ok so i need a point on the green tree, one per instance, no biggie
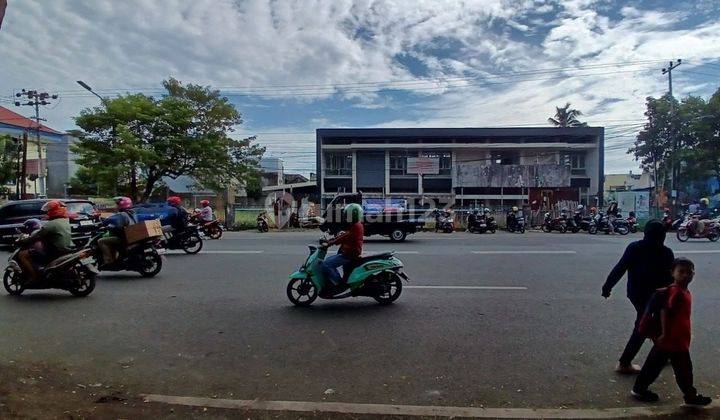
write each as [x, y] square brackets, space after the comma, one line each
[653, 145]
[144, 139]
[566, 117]
[9, 154]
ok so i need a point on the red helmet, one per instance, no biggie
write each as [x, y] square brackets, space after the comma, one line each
[174, 201]
[123, 203]
[205, 203]
[55, 209]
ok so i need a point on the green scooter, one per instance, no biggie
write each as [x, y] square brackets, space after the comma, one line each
[377, 276]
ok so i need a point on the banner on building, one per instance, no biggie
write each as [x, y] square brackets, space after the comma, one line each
[423, 165]
[480, 174]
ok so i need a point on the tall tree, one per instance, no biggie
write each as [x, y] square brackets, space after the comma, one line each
[566, 117]
[9, 154]
[654, 145]
[186, 132]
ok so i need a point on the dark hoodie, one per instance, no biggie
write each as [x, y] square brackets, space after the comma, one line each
[648, 263]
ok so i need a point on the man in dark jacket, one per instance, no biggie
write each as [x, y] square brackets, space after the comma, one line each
[648, 263]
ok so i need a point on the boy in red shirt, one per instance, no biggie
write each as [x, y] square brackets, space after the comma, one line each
[674, 341]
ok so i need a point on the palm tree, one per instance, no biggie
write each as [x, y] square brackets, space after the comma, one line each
[566, 117]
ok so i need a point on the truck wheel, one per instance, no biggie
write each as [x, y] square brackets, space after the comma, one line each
[398, 235]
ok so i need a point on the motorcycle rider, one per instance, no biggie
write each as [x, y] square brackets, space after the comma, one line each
[179, 217]
[351, 243]
[114, 243]
[206, 212]
[612, 214]
[472, 219]
[703, 215]
[513, 217]
[55, 237]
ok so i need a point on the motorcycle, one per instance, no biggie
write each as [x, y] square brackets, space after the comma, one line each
[632, 223]
[377, 276]
[188, 240]
[141, 257]
[482, 225]
[211, 229]
[74, 272]
[583, 223]
[515, 224]
[601, 223]
[570, 223]
[262, 224]
[444, 221]
[690, 227]
[550, 224]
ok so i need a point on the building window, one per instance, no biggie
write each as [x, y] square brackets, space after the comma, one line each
[398, 163]
[577, 163]
[445, 160]
[338, 164]
[508, 157]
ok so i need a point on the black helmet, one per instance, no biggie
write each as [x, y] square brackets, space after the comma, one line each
[31, 225]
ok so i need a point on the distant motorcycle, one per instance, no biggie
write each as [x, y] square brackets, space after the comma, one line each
[515, 224]
[262, 224]
[444, 221]
[691, 229]
[553, 224]
[188, 240]
[483, 225]
[601, 224]
[632, 222]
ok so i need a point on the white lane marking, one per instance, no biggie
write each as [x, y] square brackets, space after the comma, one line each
[407, 252]
[416, 410]
[698, 251]
[231, 252]
[524, 252]
[468, 287]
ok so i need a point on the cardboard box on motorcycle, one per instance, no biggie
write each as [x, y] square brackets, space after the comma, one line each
[143, 230]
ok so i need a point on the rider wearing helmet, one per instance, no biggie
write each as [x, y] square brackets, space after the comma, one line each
[703, 215]
[112, 244]
[54, 235]
[351, 243]
[179, 217]
[206, 212]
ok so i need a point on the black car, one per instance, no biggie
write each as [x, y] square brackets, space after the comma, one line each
[83, 218]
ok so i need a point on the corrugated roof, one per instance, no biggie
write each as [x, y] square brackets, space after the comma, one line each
[13, 118]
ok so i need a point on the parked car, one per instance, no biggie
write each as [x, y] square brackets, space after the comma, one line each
[83, 218]
[152, 211]
[388, 217]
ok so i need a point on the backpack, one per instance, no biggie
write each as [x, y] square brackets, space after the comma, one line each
[650, 325]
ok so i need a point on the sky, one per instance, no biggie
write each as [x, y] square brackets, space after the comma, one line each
[291, 67]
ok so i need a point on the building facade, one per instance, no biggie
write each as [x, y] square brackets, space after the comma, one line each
[38, 138]
[494, 167]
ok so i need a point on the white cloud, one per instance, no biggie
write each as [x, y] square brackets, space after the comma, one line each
[235, 44]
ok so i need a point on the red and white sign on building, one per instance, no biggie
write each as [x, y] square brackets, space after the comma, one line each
[423, 165]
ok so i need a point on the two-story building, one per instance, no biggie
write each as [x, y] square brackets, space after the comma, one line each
[494, 167]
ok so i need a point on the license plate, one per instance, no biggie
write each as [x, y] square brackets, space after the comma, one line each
[87, 261]
[86, 223]
[161, 251]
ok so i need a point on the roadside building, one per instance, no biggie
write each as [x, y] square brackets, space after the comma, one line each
[494, 167]
[36, 164]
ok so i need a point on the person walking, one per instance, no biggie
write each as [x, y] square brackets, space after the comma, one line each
[648, 263]
[673, 342]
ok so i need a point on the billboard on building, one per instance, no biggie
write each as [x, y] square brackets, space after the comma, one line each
[423, 165]
[480, 174]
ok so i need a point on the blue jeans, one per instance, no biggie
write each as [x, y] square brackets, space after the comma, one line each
[330, 266]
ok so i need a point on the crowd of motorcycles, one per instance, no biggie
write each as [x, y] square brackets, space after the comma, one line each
[76, 272]
[687, 226]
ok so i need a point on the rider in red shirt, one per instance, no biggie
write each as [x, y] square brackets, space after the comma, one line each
[351, 242]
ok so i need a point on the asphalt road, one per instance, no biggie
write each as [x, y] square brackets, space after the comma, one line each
[219, 324]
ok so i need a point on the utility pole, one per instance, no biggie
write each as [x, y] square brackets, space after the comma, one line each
[35, 99]
[674, 168]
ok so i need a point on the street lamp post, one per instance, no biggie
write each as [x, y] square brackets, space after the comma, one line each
[89, 89]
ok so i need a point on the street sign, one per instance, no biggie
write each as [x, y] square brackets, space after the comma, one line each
[423, 165]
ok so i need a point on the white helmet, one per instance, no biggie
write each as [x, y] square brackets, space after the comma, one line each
[581, 207]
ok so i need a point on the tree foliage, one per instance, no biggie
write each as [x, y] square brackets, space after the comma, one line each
[566, 117]
[9, 154]
[685, 136]
[139, 140]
